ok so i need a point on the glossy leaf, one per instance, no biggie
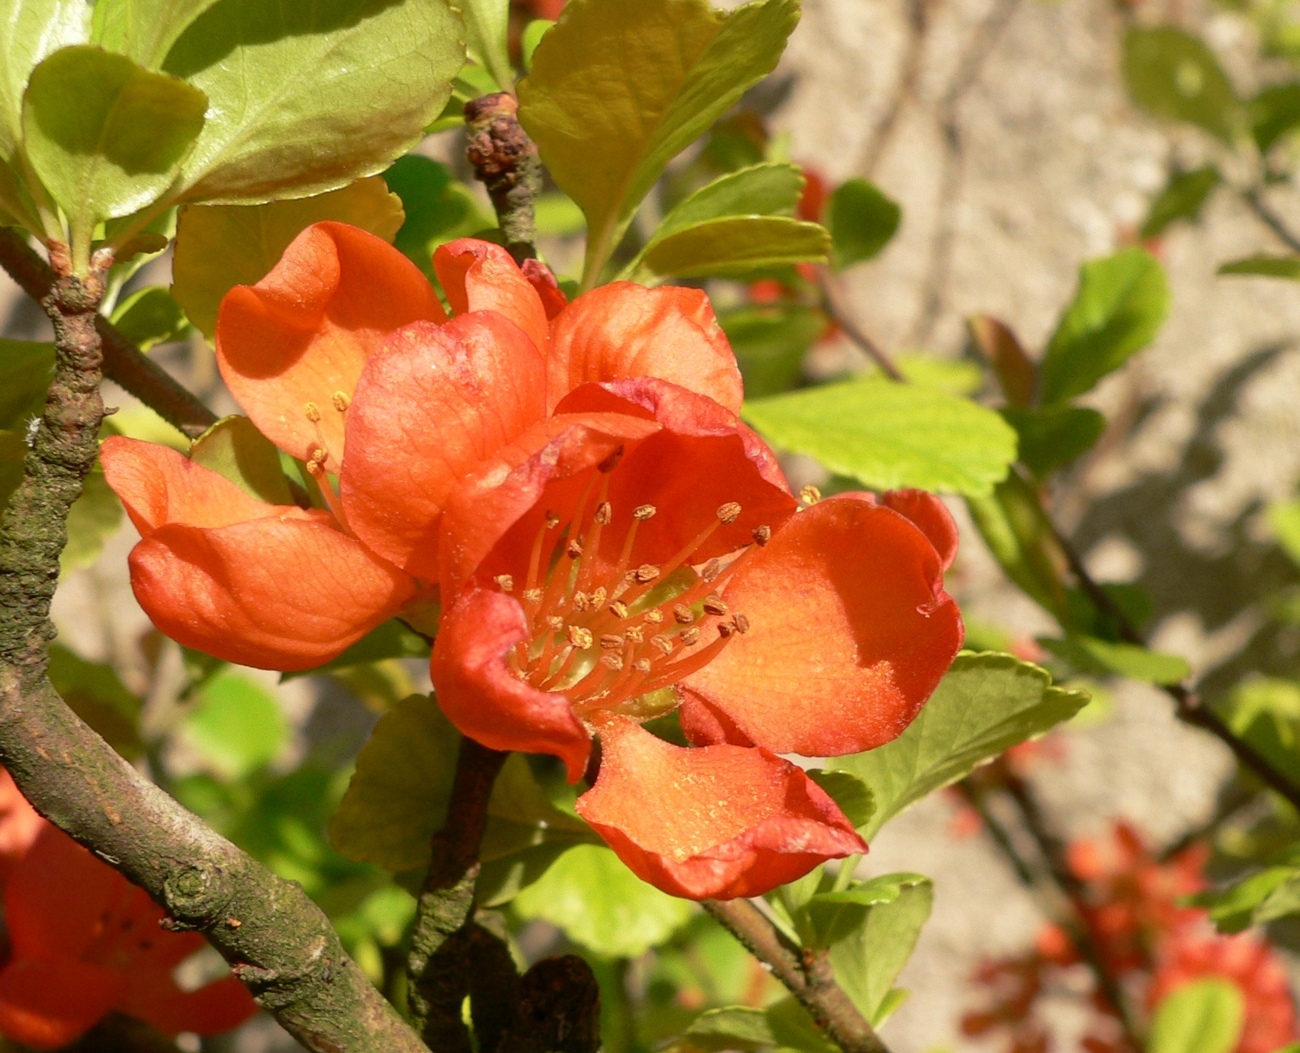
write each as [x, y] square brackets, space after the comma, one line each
[26, 368]
[438, 209]
[1012, 524]
[1119, 307]
[891, 435]
[617, 90]
[221, 246]
[144, 30]
[106, 136]
[1088, 654]
[486, 26]
[1182, 198]
[770, 344]
[236, 725]
[768, 189]
[1204, 1016]
[33, 29]
[1052, 437]
[1174, 75]
[149, 317]
[94, 518]
[310, 97]
[597, 902]
[862, 221]
[986, 704]
[235, 449]
[1265, 267]
[735, 246]
[1274, 113]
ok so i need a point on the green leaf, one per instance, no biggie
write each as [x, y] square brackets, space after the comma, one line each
[1182, 198]
[531, 37]
[236, 725]
[438, 209]
[617, 90]
[1174, 75]
[1087, 654]
[309, 97]
[997, 342]
[770, 344]
[862, 221]
[1012, 524]
[106, 136]
[1262, 897]
[92, 520]
[985, 705]
[735, 246]
[26, 368]
[733, 1027]
[236, 450]
[13, 451]
[221, 246]
[1051, 437]
[149, 317]
[1121, 303]
[1265, 267]
[768, 189]
[1283, 520]
[33, 30]
[891, 435]
[1205, 1016]
[1274, 113]
[486, 25]
[95, 693]
[848, 791]
[600, 904]
[1266, 713]
[144, 30]
[392, 639]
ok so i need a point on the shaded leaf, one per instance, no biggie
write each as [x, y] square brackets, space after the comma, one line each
[891, 435]
[1174, 75]
[94, 518]
[617, 90]
[862, 221]
[392, 639]
[1182, 198]
[1016, 372]
[848, 791]
[13, 451]
[236, 450]
[33, 30]
[309, 97]
[144, 30]
[1265, 711]
[1055, 436]
[1088, 654]
[1265, 267]
[1012, 524]
[236, 725]
[1120, 305]
[986, 704]
[97, 695]
[1274, 112]
[26, 369]
[733, 1027]
[150, 316]
[438, 209]
[770, 344]
[734, 246]
[1204, 1016]
[221, 246]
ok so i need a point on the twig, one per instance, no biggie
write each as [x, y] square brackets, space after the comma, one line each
[505, 160]
[833, 307]
[1271, 219]
[124, 363]
[807, 975]
[276, 940]
[437, 964]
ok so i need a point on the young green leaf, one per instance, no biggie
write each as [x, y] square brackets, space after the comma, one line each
[862, 220]
[1012, 524]
[33, 29]
[1120, 305]
[1265, 711]
[221, 246]
[236, 450]
[1260, 898]
[309, 97]
[1052, 437]
[1088, 654]
[730, 1028]
[106, 136]
[486, 26]
[1174, 75]
[1265, 267]
[1274, 113]
[734, 246]
[1182, 198]
[600, 904]
[891, 435]
[143, 30]
[1205, 1016]
[986, 704]
[617, 90]
[768, 189]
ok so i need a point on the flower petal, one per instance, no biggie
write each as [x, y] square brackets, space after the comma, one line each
[272, 593]
[157, 485]
[209, 1010]
[304, 331]
[45, 1003]
[625, 330]
[57, 896]
[715, 822]
[484, 699]
[431, 405]
[930, 515]
[479, 276]
[543, 280]
[850, 632]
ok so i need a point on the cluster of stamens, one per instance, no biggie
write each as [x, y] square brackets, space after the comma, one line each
[609, 634]
[321, 461]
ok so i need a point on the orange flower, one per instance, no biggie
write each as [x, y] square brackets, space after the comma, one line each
[343, 357]
[645, 554]
[85, 942]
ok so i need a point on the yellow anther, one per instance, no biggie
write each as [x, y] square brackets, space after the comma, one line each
[729, 512]
[555, 621]
[612, 661]
[618, 609]
[506, 581]
[762, 535]
[580, 637]
[313, 412]
[581, 602]
[604, 512]
[635, 633]
[714, 605]
[643, 512]
[574, 548]
[340, 401]
[683, 615]
[691, 636]
[663, 642]
[611, 642]
[741, 623]
[598, 597]
[641, 665]
[533, 595]
[654, 616]
[810, 495]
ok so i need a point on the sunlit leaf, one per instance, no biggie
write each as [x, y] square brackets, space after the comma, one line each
[1284, 520]
[986, 704]
[1174, 75]
[1182, 198]
[144, 30]
[33, 29]
[486, 26]
[1088, 654]
[221, 246]
[1204, 1016]
[1258, 899]
[149, 317]
[1265, 267]
[236, 725]
[736, 245]
[236, 450]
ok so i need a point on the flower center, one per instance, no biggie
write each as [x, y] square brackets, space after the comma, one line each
[613, 636]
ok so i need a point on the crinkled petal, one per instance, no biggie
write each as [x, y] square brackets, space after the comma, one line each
[304, 332]
[543, 280]
[626, 330]
[272, 593]
[45, 1003]
[481, 695]
[849, 633]
[430, 406]
[715, 822]
[209, 1010]
[932, 518]
[479, 276]
[57, 897]
[157, 485]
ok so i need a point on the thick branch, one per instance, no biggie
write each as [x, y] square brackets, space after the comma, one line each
[276, 940]
[440, 947]
[124, 363]
[505, 160]
[808, 976]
